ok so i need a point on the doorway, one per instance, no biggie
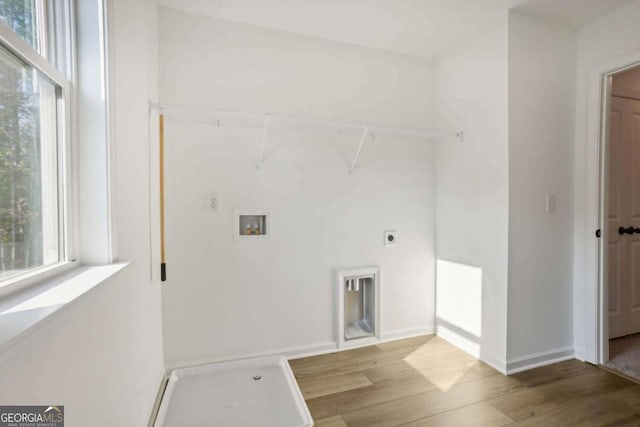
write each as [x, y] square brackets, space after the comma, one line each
[622, 222]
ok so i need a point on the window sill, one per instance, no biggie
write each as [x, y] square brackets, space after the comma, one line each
[24, 310]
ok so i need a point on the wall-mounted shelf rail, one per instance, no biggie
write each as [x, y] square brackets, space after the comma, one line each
[264, 137]
[269, 122]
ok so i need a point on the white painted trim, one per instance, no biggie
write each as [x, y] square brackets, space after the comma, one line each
[24, 51]
[65, 99]
[34, 277]
[318, 350]
[603, 203]
[109, 96]
[510, 366]
[36, 305]
[471, 347]
[307, 350]
[359, 342]
[594, 321]
[164, 381]
[542, 358]
[91, 144]
[496, 363]
[402, 334]
[376, 272]
[458, 340]
[290, 353]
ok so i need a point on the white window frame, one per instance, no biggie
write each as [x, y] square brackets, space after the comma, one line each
[67, 201]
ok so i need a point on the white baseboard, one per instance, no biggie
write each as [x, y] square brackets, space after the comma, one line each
[309, 350]
[290, 353]
[156, 404]
[463, 343]
[402, 334]
[495, 362]
[543, 358]
[472, 347]
[513, 365]
[389, 336]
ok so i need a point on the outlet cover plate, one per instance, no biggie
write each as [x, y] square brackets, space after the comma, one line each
[390, 238]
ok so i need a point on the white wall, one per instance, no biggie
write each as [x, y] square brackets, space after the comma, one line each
[226, 297]
[472, 182]
[242, 67]
[90, 357]
[134, 81]
[541, 106]
[603, 45]
[101, 356]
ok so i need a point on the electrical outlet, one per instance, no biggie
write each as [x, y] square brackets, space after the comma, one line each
[390, 238]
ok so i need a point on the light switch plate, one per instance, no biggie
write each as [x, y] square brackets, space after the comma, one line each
[552, 203]
[214, 203]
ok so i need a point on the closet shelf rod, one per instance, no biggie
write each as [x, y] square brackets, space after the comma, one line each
[257, 120]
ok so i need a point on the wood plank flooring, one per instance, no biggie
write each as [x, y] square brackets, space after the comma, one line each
[425, 381]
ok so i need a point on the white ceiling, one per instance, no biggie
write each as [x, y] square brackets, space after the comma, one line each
[414, 27]
[574, 13]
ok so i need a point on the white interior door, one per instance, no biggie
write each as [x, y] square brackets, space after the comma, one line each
[623, 279]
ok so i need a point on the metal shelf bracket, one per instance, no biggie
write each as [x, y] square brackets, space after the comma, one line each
[264, 137]
[355, 158]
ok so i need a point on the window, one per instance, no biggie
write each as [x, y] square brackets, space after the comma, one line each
[21, 17]
[34, 121]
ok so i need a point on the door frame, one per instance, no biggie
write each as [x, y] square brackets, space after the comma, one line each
[599, 106]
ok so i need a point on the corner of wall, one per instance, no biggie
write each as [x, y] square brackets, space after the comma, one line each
[541, 80]
[472, 182]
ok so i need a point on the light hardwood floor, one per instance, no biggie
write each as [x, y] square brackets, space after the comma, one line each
[425, 381]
